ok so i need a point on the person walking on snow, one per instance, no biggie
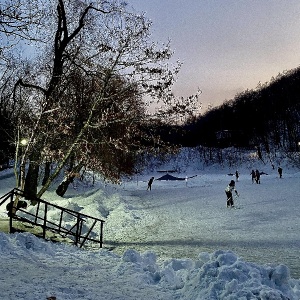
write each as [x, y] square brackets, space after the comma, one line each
[150, 183]
[228, 191]
[280, 172]
[237, 175]
[257, 176]
[253, 176]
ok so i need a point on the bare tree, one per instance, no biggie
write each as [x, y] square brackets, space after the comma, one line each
[20, 24]
[111, 51]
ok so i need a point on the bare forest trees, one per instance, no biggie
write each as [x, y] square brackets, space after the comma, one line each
[265, 119]
[84, 92]
[18, 18]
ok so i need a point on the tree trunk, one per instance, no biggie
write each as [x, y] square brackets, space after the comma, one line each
[63, 187]
[47, 172]
[31, 181]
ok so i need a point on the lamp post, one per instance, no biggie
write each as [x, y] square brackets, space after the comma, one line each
[21, 180]
[23, 143]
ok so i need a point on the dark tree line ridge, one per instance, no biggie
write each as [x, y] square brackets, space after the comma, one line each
[267, 117]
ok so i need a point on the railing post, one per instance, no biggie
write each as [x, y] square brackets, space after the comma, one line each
[10, 213]
[77, 229]
[45, 221]
[37, 212]
[60, 219]
[88, 233]
[101, 234]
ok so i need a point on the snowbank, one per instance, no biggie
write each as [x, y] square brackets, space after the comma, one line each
[35, 269]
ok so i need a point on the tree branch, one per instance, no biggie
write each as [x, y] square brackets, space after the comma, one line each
[29, 85]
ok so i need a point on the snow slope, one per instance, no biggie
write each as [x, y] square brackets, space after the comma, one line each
[178, 241]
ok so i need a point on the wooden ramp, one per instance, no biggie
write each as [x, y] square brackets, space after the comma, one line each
[39, 218]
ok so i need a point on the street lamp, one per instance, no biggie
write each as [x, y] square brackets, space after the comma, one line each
[21, 180]
[23, 143]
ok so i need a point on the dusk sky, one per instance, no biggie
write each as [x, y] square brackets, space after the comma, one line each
[226, 46]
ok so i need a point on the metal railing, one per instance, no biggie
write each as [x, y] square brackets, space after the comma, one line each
[40, 218]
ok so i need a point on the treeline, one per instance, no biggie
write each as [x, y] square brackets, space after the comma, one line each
[267, 117]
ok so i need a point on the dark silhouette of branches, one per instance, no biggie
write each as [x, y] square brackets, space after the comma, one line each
[267, 116]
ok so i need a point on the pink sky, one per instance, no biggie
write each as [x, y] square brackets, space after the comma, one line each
[226, 46]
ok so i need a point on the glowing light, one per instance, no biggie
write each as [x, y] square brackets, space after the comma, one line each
[23, 142]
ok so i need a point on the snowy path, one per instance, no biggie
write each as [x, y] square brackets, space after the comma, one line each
[178, 221]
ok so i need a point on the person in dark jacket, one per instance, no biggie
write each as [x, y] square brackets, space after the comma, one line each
[228, 191]
[150, 183]
[280, 172]
[257, 176]
[253, 176]
[237, 175]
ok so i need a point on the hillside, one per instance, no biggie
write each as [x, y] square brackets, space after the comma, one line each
[267, 116]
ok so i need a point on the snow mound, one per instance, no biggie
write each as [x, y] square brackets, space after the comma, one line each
[222, 275]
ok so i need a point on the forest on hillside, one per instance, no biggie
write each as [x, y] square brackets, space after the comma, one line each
[267, 117]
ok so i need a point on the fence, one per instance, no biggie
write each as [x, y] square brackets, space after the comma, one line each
[40, 218]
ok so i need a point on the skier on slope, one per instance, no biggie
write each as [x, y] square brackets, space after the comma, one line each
[229, 190]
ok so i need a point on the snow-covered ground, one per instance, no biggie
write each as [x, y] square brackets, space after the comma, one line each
[177, 241]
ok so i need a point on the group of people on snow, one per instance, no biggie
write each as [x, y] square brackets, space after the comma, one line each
[230, 189]
[255, 175]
